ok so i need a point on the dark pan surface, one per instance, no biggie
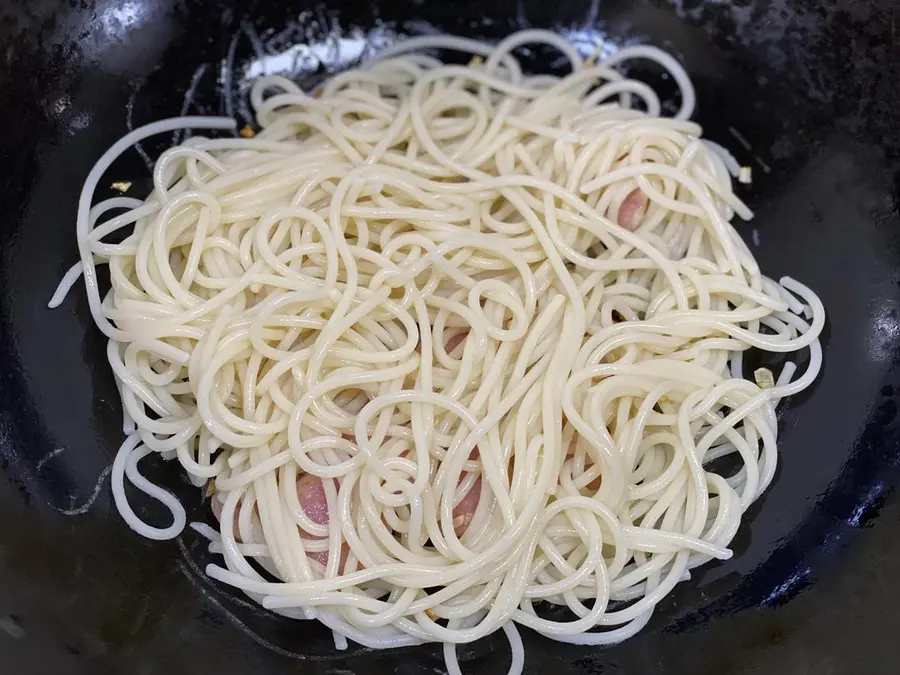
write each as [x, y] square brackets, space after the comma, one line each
[805, 92]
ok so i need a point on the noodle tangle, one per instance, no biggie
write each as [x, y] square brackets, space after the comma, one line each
[448, 342]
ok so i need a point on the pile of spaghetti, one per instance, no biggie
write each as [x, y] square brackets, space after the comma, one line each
[448, 342]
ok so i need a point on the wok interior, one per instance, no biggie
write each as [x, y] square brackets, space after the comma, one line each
[780, 88]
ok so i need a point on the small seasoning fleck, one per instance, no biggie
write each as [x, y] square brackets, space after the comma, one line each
[247, 132]
[764, 378]
[595, 55]
[211, 488]
[122, 186]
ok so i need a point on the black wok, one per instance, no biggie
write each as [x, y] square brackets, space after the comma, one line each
[804, 91]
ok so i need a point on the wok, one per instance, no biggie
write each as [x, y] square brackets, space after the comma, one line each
[803, 91]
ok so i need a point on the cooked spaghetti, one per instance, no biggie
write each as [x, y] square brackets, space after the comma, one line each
[445, 342]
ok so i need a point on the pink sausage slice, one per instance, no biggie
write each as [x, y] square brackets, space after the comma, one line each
[455, 341]
[464, 511]
[451, 343]
[311, 494]
[632, 210]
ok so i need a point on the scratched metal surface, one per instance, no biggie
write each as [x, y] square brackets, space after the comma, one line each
[805, 91]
